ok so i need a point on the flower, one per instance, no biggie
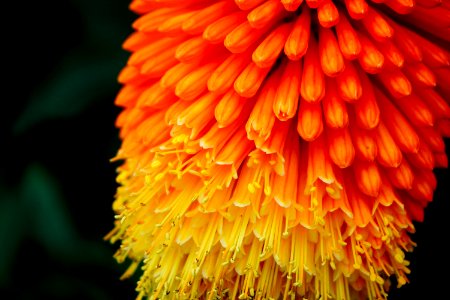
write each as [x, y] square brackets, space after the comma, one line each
[279, 149]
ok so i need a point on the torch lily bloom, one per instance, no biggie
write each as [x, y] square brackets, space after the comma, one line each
[279, 149]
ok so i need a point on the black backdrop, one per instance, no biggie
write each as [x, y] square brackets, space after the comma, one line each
[56, 136]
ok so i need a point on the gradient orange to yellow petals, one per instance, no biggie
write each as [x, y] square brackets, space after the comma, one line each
[279, 149]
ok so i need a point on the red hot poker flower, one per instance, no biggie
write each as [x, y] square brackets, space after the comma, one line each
[279, 149]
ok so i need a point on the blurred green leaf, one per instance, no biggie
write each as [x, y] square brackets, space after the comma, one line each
[105, 30]
[80, 83]
[68, 287]
[50, 222]
[11, 220]
[89, 71]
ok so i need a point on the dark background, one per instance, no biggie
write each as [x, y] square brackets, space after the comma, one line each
[56, 138]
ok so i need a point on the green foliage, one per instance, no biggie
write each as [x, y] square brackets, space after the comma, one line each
[88, 73]
[36, 210]
[42, 241]
[71, 90]
[11, 231]
[46, 215]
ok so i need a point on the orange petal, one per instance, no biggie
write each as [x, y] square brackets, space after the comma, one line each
[319, 164]
[285, 187]
[331, 58]
[313, 81]
[193, 84]
[440, 160]
[235, 149]
[286, 100]
[156, 96]
[262, 118]
[367, 177]
[359, 203]
[276, 141]
[420, 74]
[229, 108]
[366, 109]
[389, 154]
[247, 4]
[417, 112]
[334, 109]
[340, 146]
[268, 51]
[310, 124]
[327, 14]
[401, 6]
[444, 127]
[407, 44]
[434, 20]
[377, 26]
[365, 144]
[199, 114]
[414, 209]
[172, 76]
[242, 37]
[357, 8]
[348, 84]
[432, 137]
[423, 187]
[224, 76]
[218, 30]
[348, 39]
[157, 65]
[437, 105]
[249, 81]
[314, 3]
[152, 20]
[291, 5]
[128, 95]
[154, 49]
[297, 42]
[443, 81]
[370, 58]
[400, 129]
[429, 3]
[198, 22]
[264, 14]
[433, 55]
[423, 159]
[401, 177]
[396, 82]
[131, 75]
[391, 53]
[192, 49]
[173, 25]
[138, 40]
